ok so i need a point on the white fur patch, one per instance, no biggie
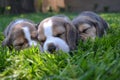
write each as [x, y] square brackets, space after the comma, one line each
[48, 28]
[59, 43]
[28, 36]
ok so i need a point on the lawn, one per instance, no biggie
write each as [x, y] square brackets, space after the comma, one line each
[98, 60]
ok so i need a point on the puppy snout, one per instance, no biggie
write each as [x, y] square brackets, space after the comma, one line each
[51, 48]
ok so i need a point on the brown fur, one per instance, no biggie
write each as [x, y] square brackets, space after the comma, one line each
[14, 35]
[62, 28]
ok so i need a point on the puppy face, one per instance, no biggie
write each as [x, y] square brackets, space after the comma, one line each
[90, 25]
[87, 31]
[56, 33]
[20, 34]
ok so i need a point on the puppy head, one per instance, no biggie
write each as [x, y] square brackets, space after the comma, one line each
[100, 24]
[20, 34]
[89, 26]
[56, 33]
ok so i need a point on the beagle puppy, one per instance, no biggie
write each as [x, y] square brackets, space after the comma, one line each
[90, 25]
[20, 34]
[57, 33]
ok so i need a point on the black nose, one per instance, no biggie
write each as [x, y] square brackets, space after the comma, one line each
[51, 48]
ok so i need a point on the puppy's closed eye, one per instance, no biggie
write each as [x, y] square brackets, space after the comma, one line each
[85, 30]
[19, 44]
[59, 35]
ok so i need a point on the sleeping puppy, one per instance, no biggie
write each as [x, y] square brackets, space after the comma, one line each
[20, 34]
[57, 33]
[90, 25]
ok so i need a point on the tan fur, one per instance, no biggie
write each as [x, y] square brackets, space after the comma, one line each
[89, 33]
[41, 35]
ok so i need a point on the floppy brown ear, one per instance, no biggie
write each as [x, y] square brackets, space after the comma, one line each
[71, 35]
[99, 29]
[105, 24]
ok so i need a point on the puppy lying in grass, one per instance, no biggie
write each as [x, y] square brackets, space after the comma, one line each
[20, 34]
[57, 33]
[90, 25]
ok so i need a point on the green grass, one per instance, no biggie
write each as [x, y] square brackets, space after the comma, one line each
[98, 60]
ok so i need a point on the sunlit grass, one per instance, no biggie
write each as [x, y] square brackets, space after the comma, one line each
[98, 60]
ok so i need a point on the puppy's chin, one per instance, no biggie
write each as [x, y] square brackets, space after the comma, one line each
[84, 38]
[54, 44]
